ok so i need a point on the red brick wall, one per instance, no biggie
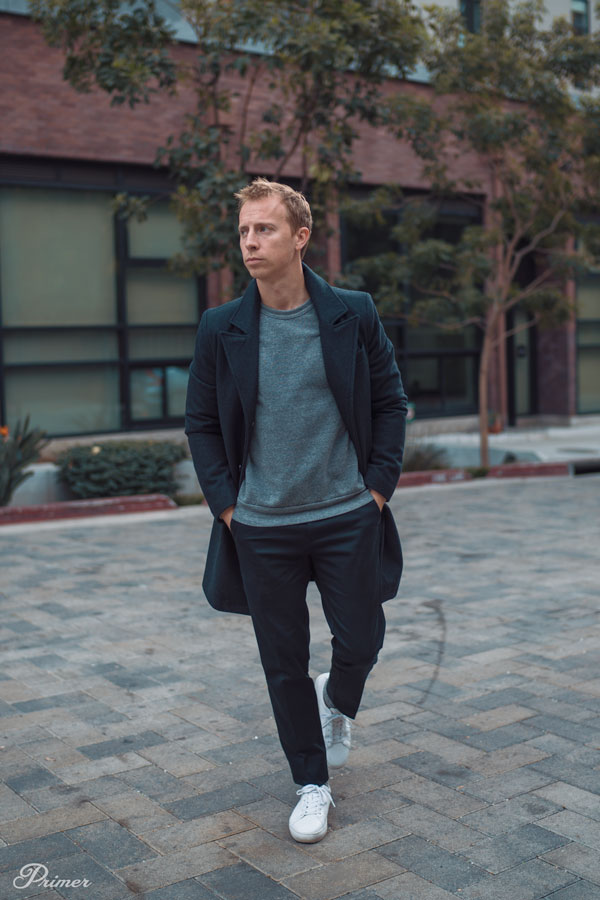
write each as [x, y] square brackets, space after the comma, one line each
[556, 370]
[42, 115]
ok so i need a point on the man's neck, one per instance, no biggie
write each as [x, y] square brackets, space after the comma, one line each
[288, 292]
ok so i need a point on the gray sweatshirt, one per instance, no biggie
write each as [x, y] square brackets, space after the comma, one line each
[301, 464]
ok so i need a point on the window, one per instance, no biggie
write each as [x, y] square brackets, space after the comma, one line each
[471, 12]
[59, 314]
[96, 333]
[580, 16]
[161, 311]
[439, 367]
[588, 344]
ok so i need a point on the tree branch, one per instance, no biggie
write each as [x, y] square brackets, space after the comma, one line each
[448, 326]
[437, 293]
[526, 292]
[531, 288]
[518, 329]
[245, 110]
[303, 129]
[545, 232]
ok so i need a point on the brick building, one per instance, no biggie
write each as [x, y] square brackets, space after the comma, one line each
[96, 335]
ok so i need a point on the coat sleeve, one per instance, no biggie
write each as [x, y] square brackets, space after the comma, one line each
[203, 428]
[388, 409]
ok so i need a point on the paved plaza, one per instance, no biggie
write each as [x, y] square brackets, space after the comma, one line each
[138, 750]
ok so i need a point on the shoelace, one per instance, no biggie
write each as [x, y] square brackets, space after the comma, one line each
[313, 797]
[340, 728]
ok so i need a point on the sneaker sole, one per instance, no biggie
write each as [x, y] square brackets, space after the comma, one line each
[308, 839]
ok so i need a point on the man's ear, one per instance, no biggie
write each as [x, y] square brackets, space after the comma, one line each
[302, 237]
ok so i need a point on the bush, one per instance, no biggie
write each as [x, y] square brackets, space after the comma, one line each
[478, 471]
[16, 453]
[420, 456]
[188, 499]
[121, 468]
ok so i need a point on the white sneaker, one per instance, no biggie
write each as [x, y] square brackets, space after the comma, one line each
[336, 727]
[308, 821]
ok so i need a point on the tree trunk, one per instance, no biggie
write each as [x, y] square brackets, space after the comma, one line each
[225, 276]
[486, 352]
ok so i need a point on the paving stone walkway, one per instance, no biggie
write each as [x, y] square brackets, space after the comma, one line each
[138, 749]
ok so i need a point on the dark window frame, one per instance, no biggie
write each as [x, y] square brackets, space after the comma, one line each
[403, 353]
[594, 273]
[579, 20]
[125, 262]
[471, 12]
[511, 374]
[19, 171]
[587, 347]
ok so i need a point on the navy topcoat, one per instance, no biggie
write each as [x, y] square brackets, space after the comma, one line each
[361, 370]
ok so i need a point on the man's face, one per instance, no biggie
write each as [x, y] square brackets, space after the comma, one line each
[269, 247]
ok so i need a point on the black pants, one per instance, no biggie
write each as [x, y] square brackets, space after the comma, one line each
[343, 554]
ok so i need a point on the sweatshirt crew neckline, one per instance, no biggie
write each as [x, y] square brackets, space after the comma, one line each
[286, 313]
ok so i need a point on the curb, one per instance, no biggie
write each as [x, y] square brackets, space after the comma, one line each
[510, 470]
[71, 509]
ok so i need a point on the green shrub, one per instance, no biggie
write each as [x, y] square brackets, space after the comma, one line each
[17, 451]
[188, 499]
[420, 456]
[478, 471]
[121, 468]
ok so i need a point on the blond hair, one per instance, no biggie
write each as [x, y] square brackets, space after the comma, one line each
[296, 205]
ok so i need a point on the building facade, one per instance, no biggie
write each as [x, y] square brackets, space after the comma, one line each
[96, 332]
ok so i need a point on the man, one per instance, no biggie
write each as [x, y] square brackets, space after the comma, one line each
[296, 419]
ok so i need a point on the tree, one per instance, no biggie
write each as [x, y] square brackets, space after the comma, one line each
[280, 89]
[515, 102]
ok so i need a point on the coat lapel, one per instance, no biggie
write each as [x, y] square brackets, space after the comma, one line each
[338, 327]
[240, 343]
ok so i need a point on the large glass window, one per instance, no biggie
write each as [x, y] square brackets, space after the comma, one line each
[58, 265]
[155, 296]
[146, 393]
[471, 12]
[439, 367]
[162, 315]
[59, 311]
[580, 16]
[64, 400]
[441, 384]
[588, 377]
[75, 345]
[588, 343]
[97, 333]
[158, 236]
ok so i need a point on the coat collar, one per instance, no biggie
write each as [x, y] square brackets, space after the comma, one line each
[328, 305]
[338, 326]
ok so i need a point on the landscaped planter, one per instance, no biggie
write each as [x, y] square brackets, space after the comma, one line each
[146, 502]
[510, 470]
[44, 486]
